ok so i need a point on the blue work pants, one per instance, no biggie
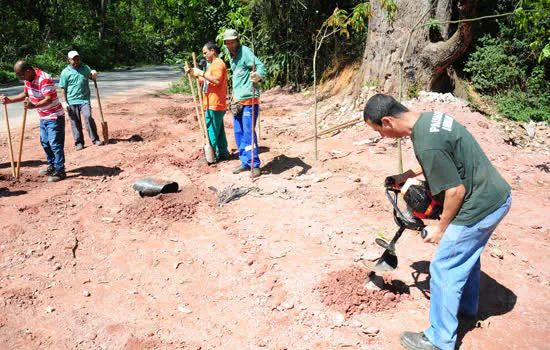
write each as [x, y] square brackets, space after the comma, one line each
[242, 126]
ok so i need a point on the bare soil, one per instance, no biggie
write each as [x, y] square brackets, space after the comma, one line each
[86, 263]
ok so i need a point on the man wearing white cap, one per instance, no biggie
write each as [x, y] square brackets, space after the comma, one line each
[243, 103]
[75, 91]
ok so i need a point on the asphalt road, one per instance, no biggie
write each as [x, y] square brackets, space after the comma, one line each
[109, 84]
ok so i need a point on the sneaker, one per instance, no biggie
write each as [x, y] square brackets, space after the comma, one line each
[256, 172]
[416, 341]
[79, 146]
[240, 169]
[98, 143]
[47, 171]
[57, 175]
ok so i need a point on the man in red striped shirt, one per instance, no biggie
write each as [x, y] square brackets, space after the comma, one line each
[40, 89]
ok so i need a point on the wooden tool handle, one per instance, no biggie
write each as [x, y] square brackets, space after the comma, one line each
[99, 102]
[9, 140]
[21, 140]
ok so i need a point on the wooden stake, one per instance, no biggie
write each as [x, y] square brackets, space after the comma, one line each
[22, 138]
[334, 128]
[9, 140]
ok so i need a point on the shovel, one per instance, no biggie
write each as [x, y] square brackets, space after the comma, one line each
[208, 149]
[9, 140]
[104, 127]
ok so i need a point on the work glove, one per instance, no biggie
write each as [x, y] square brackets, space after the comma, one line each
[65, 105]
[394, 181]
[255, 77]
[198, 73]
[93, 74]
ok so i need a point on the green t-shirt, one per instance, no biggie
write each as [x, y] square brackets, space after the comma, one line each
[76, 83]
[450, 156]
[241, 66]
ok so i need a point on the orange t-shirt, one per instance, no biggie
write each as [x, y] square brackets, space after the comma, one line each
[214, 97]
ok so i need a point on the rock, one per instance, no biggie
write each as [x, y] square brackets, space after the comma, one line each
[338, 319]
[356, 324]
[390, 296]
[497, 253]
[287, 305]
[371, 331]
[91, 336]
[86, 293]
[483, 125]
[184, 310]
[50, 309]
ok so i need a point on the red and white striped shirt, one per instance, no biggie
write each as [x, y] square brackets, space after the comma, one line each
[43, 85]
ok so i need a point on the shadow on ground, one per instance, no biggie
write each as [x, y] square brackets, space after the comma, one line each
[96, 170]
[24, 164]
[494, 298]
[5, 192]
[282, 163]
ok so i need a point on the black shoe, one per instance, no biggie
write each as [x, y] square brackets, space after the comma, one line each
[98, 143]
[240, 169]
[48, 171]
[416, 341]
[57, 175]
[224, 158]
[79, 146]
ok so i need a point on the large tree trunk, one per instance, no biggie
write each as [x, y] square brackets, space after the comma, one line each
[429, 54]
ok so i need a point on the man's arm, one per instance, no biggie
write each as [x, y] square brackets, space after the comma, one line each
[453, 201]
[17, 98]
[64, 102]
[46, 101]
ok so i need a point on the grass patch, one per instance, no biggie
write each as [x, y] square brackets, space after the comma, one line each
[179, 87]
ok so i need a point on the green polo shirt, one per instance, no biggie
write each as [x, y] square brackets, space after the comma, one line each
[241, 66]
[76, 83]
[450, 156]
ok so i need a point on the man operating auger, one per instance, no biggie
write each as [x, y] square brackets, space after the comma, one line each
[476, 199]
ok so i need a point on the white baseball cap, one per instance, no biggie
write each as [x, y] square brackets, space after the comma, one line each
[72, 54]
[230, 34]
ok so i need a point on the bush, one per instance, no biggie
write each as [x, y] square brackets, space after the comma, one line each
[7, 76]
[523, 106]
[492, 69]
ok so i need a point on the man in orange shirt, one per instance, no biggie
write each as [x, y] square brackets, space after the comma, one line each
[215, 89]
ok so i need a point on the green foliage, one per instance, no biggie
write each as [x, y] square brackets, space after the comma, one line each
[391, 7]
[414, 90]
[533, 17]
[179, 87]
[523, 106]
[433, 25]
[509, 64]
[492, 68]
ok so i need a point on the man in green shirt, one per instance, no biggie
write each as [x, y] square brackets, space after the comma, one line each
[244, 104]
[476, 199]
[75, 91]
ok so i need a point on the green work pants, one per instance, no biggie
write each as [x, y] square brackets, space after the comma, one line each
[216, 132]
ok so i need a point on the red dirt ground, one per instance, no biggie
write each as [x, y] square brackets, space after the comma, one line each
[88, 264]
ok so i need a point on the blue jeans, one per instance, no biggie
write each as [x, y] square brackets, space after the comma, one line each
[52, 138]
[455, 276]
[243, 135]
